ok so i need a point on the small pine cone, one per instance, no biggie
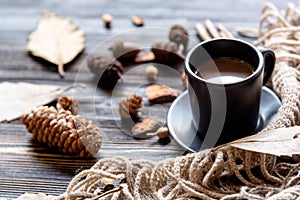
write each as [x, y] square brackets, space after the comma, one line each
[129, 107]
[179, 35]
[109, 70]
[71, 134]
[124, 51]
[66, 103]
[167, 52]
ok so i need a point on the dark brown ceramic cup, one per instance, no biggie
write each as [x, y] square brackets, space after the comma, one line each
[223, 112]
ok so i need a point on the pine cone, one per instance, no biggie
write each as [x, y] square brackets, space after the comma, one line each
[124, 51]
[108, 68]
[167, 52]
[129, 107]
[179, 35]
[66, 103]
[71, 134]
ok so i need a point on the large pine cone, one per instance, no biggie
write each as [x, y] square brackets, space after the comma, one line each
[71, 134]
[109, 69]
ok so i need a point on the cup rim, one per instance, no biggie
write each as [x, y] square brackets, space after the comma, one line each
[254, 74]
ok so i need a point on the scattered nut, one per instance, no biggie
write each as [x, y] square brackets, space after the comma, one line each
[296, 136]
[107, 19]
[162, 132]
[146, 57]
[179, 35]
[124, 51]
[151, 72]
[107, 184]
[161, 93]
[137, 20]
[146, 125]
[168, 52]
[109, 69]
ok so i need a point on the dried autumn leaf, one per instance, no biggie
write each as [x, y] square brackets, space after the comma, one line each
[56, 39]
[39, 196]
[17, 98]
[279, 142]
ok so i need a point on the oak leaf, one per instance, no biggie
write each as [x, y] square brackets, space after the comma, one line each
[56, 39]
[18, 98]
[278, 142]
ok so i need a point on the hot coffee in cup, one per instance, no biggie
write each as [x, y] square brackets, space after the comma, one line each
[225, 79]
[225, 70]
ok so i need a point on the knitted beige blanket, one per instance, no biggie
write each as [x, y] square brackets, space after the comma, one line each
[230, 171]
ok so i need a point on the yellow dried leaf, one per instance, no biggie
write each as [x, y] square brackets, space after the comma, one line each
[18, 98]
[279, 142]
[56, 39]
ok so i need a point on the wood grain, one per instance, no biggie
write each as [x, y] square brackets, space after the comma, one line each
[28, 166]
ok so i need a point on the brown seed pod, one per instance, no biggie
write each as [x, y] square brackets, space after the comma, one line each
[179, 35]
[109, 70]
[137, 20]
[161, 93]
[167, 52]
[124, 51]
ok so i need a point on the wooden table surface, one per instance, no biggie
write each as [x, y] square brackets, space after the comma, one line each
[28, 166]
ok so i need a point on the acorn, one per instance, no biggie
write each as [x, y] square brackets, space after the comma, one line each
[107, 19]
[124, 51]
[137, 20]
[151, 72]
[107, 184]
[162, 133]
[179, 35]
[167, 52]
